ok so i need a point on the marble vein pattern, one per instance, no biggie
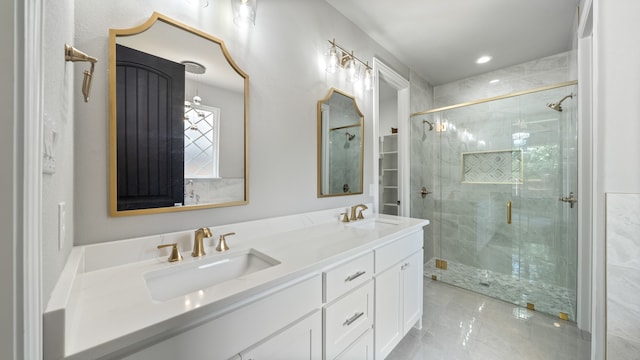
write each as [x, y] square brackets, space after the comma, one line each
[460, 324]
[537, 73]
[623, 276]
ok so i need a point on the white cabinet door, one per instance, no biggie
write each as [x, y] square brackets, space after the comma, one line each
[388, 319]
[398, 303]
[301, 341]
[362, 349]
[412, 291]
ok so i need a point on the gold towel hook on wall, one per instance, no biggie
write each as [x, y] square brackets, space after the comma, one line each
[73, 54]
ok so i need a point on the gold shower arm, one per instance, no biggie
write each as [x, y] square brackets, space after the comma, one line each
[73, 54]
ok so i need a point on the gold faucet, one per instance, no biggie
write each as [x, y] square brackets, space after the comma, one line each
[198, 246]
[353, 212]
[175, 254]
[222, 243]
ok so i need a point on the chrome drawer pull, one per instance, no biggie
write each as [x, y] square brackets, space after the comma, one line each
[352, 319]
[355, 276]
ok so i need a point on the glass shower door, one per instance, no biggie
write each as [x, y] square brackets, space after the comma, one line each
[496, 170]
[548, 261]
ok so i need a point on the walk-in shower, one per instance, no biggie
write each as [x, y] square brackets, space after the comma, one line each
[498, 170]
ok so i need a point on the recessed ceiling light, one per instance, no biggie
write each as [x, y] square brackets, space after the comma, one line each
[483, 59]
[494, 81]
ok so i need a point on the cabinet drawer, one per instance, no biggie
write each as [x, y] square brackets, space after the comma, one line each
[347, 276]
[387, 255]
[347, 319]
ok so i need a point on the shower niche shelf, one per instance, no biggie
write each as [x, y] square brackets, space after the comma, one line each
[389, 174]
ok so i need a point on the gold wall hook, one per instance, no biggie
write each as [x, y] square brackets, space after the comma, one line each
[73, 54]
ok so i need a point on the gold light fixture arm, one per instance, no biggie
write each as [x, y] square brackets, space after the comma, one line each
[346, 55]
[73, 54]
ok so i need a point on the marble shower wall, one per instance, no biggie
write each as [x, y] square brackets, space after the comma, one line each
[623, 276]
[344, 160]
[549, 70]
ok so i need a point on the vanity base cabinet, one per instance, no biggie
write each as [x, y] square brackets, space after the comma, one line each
[227, 335]
[300, 341]
[398, 292]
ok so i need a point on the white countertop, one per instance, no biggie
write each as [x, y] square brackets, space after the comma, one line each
[111, 308]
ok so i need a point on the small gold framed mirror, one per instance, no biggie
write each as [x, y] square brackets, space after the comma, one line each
[340, 145]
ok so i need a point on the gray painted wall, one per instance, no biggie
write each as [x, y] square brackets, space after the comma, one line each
[60, 94]
[617, 129]
[9, 30]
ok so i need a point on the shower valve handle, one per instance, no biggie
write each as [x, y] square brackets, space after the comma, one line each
[570, 199]
[424, 192]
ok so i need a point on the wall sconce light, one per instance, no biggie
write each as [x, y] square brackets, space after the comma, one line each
[244, 12]
[73, 54]
[339, 58]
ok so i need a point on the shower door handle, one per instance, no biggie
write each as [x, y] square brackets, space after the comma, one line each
[509, 212]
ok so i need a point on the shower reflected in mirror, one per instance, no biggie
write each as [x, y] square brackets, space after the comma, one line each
[558, 106]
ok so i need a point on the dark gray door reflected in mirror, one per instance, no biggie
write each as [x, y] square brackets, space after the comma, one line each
[150, 100]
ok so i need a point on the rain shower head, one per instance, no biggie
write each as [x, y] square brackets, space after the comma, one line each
[430, 124]
[558, 106]
[350, 136]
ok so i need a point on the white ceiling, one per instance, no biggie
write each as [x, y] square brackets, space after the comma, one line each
[441, 39]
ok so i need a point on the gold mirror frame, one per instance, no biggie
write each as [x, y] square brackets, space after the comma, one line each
[322, 144]
[113, 151]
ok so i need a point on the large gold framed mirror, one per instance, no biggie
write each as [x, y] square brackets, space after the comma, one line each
[340, 145]
[178, 123]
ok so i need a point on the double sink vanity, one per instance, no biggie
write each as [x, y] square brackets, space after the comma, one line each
[330, 284]
[306, 286]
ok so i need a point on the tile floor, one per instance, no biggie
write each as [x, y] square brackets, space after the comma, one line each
[459, 324]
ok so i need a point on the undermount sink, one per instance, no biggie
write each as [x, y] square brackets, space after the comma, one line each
[373, 224]
[183, 279]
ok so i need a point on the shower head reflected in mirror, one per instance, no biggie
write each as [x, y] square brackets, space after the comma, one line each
[350, 136]
[558, 106]
[430, 124]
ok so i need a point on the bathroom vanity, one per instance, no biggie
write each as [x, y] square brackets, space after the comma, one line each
[298, 287]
